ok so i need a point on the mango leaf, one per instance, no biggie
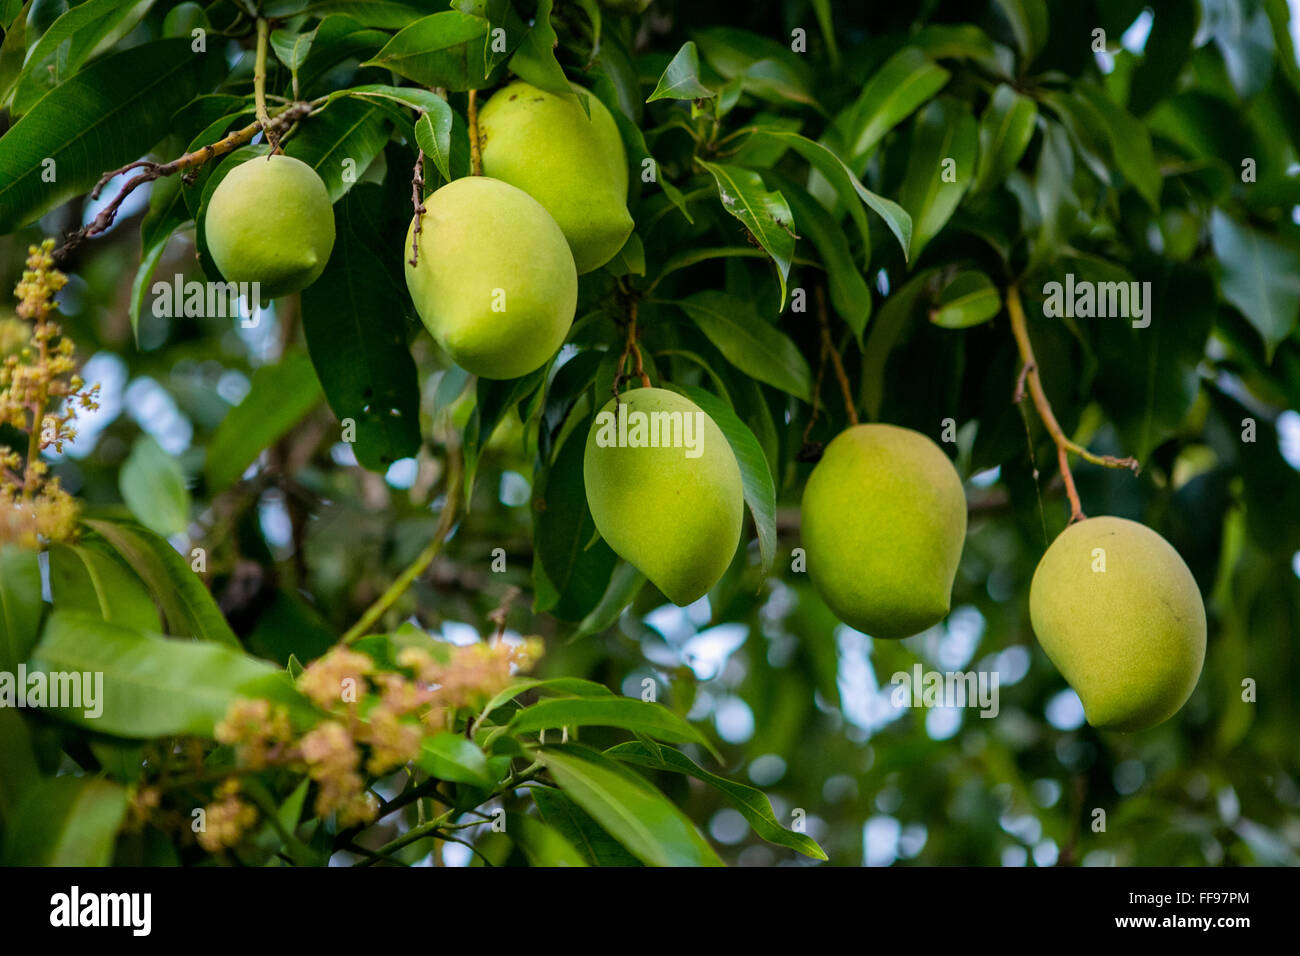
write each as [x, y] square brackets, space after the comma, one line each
[291, 49]
[1028, 20]
[82, 28]
[845, 186]
[444, 49]
[1260, 277]
[386, 14]
[86, 577]
[969, 299]
[433, 135]
[906, 81]
[356, 336]
[18, 768]
[21, 607]
[1130, 142]
[107, 115]
[153, 487]
[576, 826]
[633, 812]
[1005, 130]
[653, 720]
[278, 397]
[940, 168]
[341, 142]
[425, 100]
[450, 756]
[765, 214]
[755, 477]
[13, 48]
[495, 399]
[571, 570]
[749, 343]
[544, 845]
[153, 686]
[681, 79]
[624, 585]
[66, 821]
[186, 604]
[752, 804]
[534, 61]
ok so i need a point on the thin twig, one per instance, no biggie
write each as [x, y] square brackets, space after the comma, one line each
[259, 86]
[836, 362]
[1029, 375]
[475, 155]
[417, 200]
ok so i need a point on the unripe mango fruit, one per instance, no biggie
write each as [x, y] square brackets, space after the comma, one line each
[270, 221]
[494, 281]
[573, 165]
[673, 511]
[884, 520]
[1119, 614]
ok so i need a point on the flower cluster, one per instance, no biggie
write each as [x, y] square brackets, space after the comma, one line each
[39, 396]
[377, 722]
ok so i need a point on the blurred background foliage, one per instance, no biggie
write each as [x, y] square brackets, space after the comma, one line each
[1130, 168]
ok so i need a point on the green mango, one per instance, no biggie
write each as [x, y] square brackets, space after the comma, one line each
[574, 166]
[884, 520]
[673, 511]
[270, 221]
[1120, 616]
[494, 282]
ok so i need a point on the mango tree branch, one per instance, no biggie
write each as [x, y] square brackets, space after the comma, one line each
[259, 85]
[475, 154]
[446, 521]
[1030, 377]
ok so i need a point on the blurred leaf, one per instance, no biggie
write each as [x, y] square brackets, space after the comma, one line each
[638, 716]
[450, 756]
[1028, 19]
[66, 821]
[577, 827]
[278, 397]
[944, 133]
[1261, 277]
[86, 578]
[21, 607]
[1131, 144]
[969, 299]
[153, 487]
[542, 844]
[19, 771]
[1004, 133]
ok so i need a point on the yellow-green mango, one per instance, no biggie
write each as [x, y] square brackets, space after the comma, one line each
[573, 165]
[884, 520]
[1119, 614]
[494, 281]
[270, 221]
[673, 510]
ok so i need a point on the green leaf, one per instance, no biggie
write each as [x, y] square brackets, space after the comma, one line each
[765, 214]
[495, 399]
[153, 686]
[19, 771]
[752, 804]
[542, 844]
[1261, 277]
[755, 476]
[82, 28]
[186, 604]
[353, 320]
[444, 49]
[681, 80]
[1005, 130]
[153, 487]
[1028, 20]
[624, 585]
[577, 827]
[86, 577]
[341, 142]
[653, 720]
[897, 310]
[291, 49]
[846, 186]
[571, 570]
[969, 299]
[424, 100]
[20, 604]
[278, 397]
[66, 821]
[634, 813]
[1130, 142]
[630, 259]
[534, 61]
[386, 14]
[107, 115]
[764, 68]
[906, 81]
[450, 756]
[433, 135]
[749, 343]
[940, 168]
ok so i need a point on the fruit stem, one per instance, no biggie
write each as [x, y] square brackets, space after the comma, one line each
[475, 156]
[259, 85]
[1029, 376]
[829, 349]
[446, 521]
